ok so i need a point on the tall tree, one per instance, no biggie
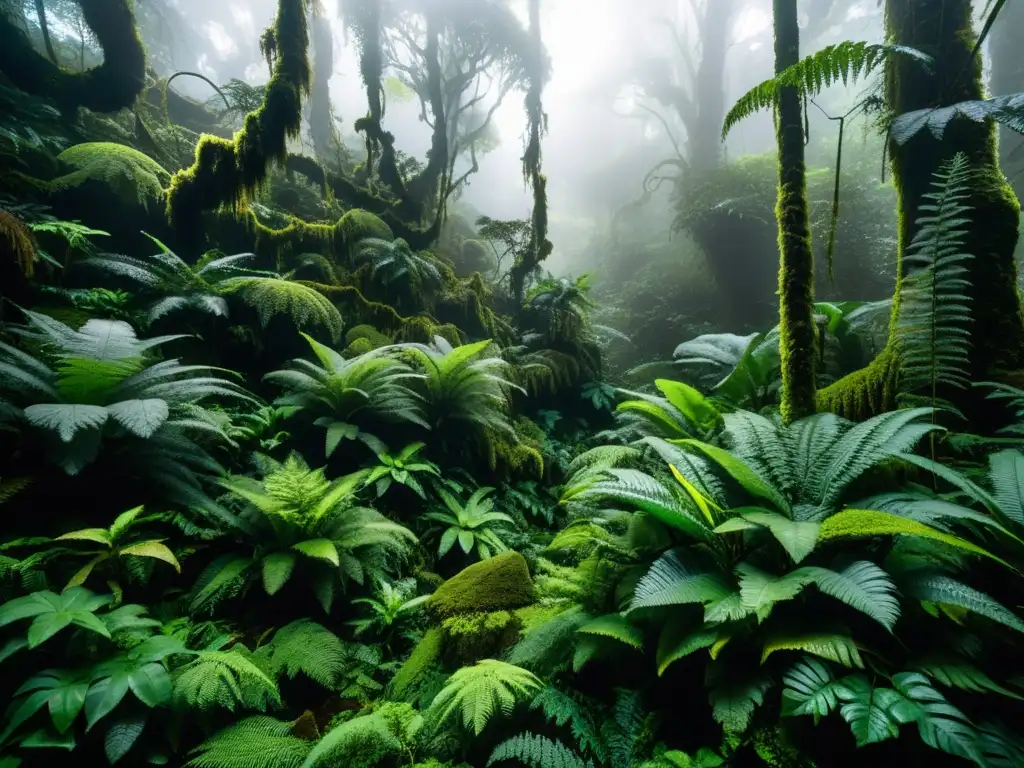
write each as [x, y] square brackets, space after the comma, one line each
[944, 30]
[321, 122]
[1008, 77]
[796, 260]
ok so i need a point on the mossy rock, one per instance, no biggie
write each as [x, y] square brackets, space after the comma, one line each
[501, 583]
[368, 333]
[135, 178]
[426, 653]
[469, 637]
[356, 224]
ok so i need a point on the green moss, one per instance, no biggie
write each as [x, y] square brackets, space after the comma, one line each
[864, 393]
[227, 173]
[357, 224]
[774, 747]
[475, 256]
[426, 653]
[518, 454]
[357, 347]
[135, 178]
[499, 583]
[368, 332]
[474, 636]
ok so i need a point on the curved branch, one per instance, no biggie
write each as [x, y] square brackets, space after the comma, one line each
[183, 73]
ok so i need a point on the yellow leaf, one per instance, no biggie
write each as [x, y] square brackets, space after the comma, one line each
[79, 578]
[704, 504]
[153, 549]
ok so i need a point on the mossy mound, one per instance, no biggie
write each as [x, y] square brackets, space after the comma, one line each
[470, 637]
[426, 653]
[135, 178]
[500, 583]
[374, 337]
[357, 224]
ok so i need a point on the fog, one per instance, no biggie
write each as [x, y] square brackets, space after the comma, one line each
[602, 136]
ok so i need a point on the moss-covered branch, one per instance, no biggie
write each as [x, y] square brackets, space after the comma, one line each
[111, 86]
[226, 173]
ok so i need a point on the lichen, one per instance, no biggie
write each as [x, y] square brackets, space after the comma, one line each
[498, 583]
[135, 178]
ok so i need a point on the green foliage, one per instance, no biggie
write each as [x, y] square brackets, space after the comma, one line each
[933, 328]
[224, 680]
[307, 647]
[96, 388]
[475, 694]
[303, 305]
[500, 583]
[1005, 110]
[402, 468]
[347, 395]
[136, 179]
[537, 752]
[846, 61]
[256, 742]
[472, 524]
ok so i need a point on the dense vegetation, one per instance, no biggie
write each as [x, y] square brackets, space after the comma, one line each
[304, 464]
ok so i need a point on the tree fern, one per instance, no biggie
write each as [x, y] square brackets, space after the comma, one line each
[475, 694]
[934, 316]
[256, 742]
[846, 62]
[535, 751]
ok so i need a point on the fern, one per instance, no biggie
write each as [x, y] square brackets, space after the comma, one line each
[933, 325]
[1005, 110]
[537, 752]
[476, 693]
[939, 588]
[846, 62]
[256, 742]
[305, 646]
[562, 709]
[223, 679]
[274, 296]
[362, 741]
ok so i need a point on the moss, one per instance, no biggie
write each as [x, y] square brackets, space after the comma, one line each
[135, 178]
[474, 636]
[775, 749]
[357, 224]
[111, 86]
[368, 332]
[499, 583]
[475, 256]
[227, 173]
[357, 347]
[518, 454]
[426, 653]
[864, 393]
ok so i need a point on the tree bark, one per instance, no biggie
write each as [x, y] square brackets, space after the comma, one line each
[321, 128]
[944, 30]
[796, 261]
[1007, 78]
[705, 137]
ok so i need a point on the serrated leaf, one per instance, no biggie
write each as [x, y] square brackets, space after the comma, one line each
[140, 417]
[831, 646]
[797, 538]
[122, 735]
[66, 419]
[617, 627]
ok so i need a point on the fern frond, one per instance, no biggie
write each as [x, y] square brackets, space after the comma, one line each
[223, 679]
[537, 752]
[933, 325]
[305, 646]
[846, 62]
[275, 296]
[478, 692]
[256, 742]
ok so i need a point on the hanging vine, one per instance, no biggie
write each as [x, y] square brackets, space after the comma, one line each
[540, 247]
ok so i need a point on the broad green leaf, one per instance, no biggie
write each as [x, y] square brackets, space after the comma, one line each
[939, 588]
[466, 539]
[336, 432]
[320, 549]
[656, 414]
[698, 409]
[810, 689]
[66, 418]
[122, 735]
[65, 703]
[98, 535]
[104, 695]
[46, 626]
[863, 523]
[151, 684]
[677, 642]
[750, 480]
[797, 538]
[448, 539]
[831, 646]
[154, 549]
[939, 723]
[760, 591]
[617, 627]
[277, 569]
[955, 673]
[140, 417]
[873, 714]
[704, 504]
[85, 571]
[123, 522]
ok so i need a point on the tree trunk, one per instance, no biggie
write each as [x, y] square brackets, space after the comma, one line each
[796, 261]
[1007, 78]
[944, 30]
[705, 135]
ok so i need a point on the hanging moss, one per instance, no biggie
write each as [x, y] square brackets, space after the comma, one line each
[135, 178]
[499, 583]
[226, 174]
[518, 454]
[17, 246]
[111, 86]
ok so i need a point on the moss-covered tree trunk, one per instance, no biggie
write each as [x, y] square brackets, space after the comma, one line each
[944, 30]
[1008, 77]
[796, 261]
